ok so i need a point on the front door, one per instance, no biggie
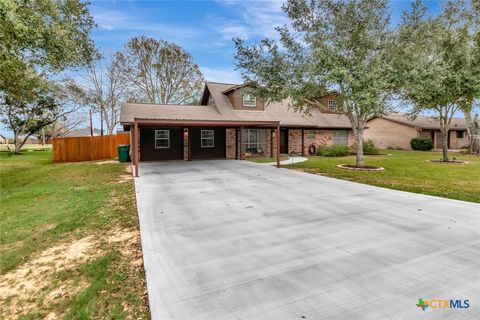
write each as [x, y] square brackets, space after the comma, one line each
[284, 140]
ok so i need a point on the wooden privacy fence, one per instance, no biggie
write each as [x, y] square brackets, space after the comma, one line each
[88, 148]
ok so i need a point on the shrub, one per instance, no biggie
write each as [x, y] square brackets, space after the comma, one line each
[333, 151]
[423, 144]
[369, 148]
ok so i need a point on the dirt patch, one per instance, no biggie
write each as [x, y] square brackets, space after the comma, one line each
[124, 178]
[29, 287]
[106, 162]
[127, 241]
[23, 285]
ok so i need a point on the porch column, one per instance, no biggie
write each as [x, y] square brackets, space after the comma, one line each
[189, 146]
[278, 145]
[240, 143]
[303, 143]
[135, 147]
[271, 143]
[236, 143]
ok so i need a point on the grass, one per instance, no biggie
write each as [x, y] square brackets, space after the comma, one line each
[265, 159]
[407, 171]
[49, 206]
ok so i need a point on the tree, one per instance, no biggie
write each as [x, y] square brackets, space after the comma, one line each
[38, 38]
[46, 103]
[331, 45]
[160, 72]
[107, 90]
[436, 68]
[470, 102]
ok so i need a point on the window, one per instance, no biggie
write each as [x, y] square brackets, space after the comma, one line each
[332, 105]
[311, 134]
[211, 102]
[207, 138]
[340, 137]
[249, 100]
[254, 141]
[162, 139]
[460, 134]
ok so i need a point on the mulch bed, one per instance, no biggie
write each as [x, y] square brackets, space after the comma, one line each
[364, 168]
[448, 162]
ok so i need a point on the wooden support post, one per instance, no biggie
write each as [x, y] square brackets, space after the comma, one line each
[278, 145]
[189, 152]
[136, 148]
[236, 143]
[240, 143]
[303, 143]
[271, 143]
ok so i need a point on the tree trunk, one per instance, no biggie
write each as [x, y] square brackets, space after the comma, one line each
[16, 141]
[359, 162]
[445, 145]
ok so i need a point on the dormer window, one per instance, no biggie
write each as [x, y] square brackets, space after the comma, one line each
[211, 102]
[332, 105]
[249, 100]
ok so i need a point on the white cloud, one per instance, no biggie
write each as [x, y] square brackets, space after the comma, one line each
[221, 75]
[114, 20]
[256, 18]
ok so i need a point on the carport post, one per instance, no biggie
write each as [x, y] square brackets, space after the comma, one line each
[278, 145]
[135, 147]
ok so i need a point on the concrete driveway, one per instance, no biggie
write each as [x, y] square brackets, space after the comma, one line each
[231, 239]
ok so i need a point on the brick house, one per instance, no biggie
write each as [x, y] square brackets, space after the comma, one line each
[395, 131]
[231, 123]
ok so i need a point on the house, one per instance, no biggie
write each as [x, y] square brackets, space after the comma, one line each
[230, 123]
[83, 132]
[395, 131]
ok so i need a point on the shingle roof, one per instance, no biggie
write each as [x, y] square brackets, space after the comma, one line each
[425, 122]
[223, 110]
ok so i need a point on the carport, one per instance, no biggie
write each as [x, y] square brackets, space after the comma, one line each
[179, 131]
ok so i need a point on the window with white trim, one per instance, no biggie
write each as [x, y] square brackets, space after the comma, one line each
[162, 139]
[207, 138]
[340, 137]
[254, 141]
[249, 100]
[311, 134]
[332, 105]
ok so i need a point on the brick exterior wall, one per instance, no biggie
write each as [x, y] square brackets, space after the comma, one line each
[230, 143]
[322, 138]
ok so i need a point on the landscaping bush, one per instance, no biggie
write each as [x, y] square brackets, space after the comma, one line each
[369, 148]
[423, 144]
[333, 151]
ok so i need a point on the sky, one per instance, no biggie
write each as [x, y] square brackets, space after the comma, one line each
[205, 28]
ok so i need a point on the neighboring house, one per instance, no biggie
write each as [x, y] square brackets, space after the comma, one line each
[231, 123]
[395, 131]
[84, 132]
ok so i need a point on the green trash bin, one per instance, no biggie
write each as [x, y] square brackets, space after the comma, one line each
[123, 152]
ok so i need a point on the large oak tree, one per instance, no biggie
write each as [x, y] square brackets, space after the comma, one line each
[330, 45]
[39, 38]
[438, 63]
[159, 71]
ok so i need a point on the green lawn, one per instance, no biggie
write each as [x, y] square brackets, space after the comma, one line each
[69, 240]
[408, 171]
[265, 159]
